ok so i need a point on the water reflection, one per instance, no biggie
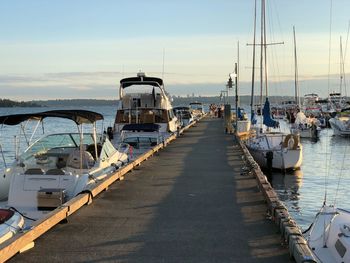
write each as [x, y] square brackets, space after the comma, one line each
[287, 187]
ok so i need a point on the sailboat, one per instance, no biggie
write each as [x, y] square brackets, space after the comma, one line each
[329, 234]
[305, 127]
[271, 149]
[340, 123]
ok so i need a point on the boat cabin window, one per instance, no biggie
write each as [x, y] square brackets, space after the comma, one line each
[142, 115]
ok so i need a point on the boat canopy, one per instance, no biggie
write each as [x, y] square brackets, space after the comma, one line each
[146, 127]
[140, 80]
[78, 116]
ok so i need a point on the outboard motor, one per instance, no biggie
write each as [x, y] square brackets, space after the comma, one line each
[110, 133]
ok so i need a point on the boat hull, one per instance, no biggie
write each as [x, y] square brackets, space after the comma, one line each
[284, 150]
[340, 126]
[329, 235]
[282, 159]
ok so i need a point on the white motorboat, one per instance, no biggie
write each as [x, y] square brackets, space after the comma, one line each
[197, 109]
[310, 105]
[140, 138]
[57, 167]
[184, 115]
[329, 236]
[147, 103]
[306, 127]
[341, 123]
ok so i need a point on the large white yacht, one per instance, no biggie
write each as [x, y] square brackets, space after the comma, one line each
[310, 105]
[144, 112]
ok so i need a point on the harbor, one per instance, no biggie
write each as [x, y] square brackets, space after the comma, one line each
[172, 206]
[130, 132]
[229, 187]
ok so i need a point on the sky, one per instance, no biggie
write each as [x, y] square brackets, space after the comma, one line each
[81, 49]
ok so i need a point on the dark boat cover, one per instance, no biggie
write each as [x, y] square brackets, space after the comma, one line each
[268, 121]
[146, 127]
[142, 80]
[78, 116]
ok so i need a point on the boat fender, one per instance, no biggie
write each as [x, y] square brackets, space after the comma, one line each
[294, 138]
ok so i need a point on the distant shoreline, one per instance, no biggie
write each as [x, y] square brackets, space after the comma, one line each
[243, 100]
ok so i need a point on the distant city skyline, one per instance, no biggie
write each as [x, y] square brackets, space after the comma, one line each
[82, 48]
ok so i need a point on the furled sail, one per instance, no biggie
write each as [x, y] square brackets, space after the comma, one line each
[268, 121]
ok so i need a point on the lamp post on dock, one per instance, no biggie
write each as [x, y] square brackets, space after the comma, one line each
[231, 85]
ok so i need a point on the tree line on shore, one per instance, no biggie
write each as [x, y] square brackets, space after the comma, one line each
[177, 100]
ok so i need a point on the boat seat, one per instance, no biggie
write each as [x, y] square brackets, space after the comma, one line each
[91, 149]
[55, 171]
[74, 160]
[34, 171]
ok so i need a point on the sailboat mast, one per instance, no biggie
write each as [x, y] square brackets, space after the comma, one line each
[237, 73]
[341, 65]
[253, 71]
[264, 45]
[297, 97]
[261, 53]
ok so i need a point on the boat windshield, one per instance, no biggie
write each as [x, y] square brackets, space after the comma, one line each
[141, 142]
[66, 140]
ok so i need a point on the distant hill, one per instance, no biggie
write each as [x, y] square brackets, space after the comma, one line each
[6, 103]
[76, 102]
[177, 100]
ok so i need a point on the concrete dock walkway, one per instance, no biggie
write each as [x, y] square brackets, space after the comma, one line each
[190, 203]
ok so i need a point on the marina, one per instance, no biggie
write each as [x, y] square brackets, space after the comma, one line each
[300, 190]
[138, 132]
[171, 207]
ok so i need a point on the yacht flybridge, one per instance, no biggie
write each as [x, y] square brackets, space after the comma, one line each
[146, 105]
[57, 167]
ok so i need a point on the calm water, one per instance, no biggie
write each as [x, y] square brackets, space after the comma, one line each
[302, 191]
